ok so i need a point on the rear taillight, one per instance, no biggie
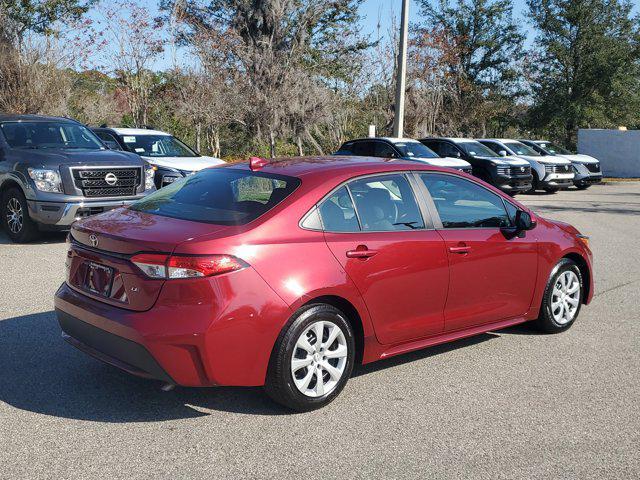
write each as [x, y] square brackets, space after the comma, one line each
[155, 265]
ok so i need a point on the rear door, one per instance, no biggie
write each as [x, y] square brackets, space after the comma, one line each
[492, 277]
[385, 242]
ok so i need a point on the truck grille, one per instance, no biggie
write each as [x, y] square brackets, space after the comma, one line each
[107, 182]
[593, 167]
[558, 168]
[515, 171]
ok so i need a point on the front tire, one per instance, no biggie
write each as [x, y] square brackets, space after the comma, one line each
[551, 190]
[15, 217]
[582, 187]
[562, 298]
[312, 359]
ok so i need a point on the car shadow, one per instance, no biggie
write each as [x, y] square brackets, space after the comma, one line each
[41, 373]
[421, 354]
[44, 238]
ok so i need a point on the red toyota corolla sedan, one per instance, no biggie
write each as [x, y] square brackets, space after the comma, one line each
[287, 273]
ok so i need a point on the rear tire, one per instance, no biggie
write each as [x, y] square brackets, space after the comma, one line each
[582, 187]
[562, 298]
[551, 190]
[15, 217]
[304, 373]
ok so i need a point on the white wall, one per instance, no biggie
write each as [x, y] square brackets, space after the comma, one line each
[617, 150]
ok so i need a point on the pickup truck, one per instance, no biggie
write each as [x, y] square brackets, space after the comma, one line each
[54, 171]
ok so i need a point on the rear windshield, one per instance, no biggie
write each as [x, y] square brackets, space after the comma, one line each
[220, 195]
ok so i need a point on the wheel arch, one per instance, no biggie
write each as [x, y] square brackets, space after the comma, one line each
[583, 266]
[9, 184]
[353, 317]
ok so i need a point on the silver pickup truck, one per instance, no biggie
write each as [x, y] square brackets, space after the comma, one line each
[54, 171]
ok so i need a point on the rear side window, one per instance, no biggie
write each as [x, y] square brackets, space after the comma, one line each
[220, 195]
[338, 214]
[386, 203]
[464, 204]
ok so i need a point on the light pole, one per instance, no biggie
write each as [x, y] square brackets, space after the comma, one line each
[401, 76]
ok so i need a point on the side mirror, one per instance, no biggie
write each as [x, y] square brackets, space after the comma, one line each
[502, 153]
[523, 223]
[111, 145]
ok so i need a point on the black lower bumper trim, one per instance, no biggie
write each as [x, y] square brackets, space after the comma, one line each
[109, 348]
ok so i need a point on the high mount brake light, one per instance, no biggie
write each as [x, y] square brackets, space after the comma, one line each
[155, 265]
[256, 163]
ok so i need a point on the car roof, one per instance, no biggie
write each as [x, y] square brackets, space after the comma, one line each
[34, 118]
[135, 131]
[385, 139]
[452, 139]
[501, 140]
[335, 165]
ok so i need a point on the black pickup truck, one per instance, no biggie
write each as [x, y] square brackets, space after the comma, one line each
[54, 171]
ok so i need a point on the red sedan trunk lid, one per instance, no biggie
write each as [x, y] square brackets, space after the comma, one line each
[99, 259]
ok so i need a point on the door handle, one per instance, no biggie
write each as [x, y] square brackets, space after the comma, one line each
[461, 249]
[361, 252]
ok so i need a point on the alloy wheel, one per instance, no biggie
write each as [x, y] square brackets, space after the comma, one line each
[15, 216]
[565, 298]
[319, 359]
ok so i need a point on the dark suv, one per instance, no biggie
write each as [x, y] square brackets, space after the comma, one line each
[510, 175]
[54, 171]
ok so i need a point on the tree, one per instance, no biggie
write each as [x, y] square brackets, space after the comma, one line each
[484, 46]
[20, 17]
[585, 65]
[33, 76]
[277, 49]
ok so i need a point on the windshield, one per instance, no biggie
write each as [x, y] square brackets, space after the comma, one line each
[415, 149]
[56, 135]
[522, 149]
[553, 148]
[476, 149]
[157, 146]
[219, 195]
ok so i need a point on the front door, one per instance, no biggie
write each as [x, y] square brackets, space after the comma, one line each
[377, 232]
[492, 277]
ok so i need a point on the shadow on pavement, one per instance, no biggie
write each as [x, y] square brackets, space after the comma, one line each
[41, 373]
[45, 238]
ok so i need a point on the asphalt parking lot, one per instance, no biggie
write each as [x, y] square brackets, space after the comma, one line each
[509, 404]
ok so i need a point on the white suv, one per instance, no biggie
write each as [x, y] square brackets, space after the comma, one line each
[170, 157]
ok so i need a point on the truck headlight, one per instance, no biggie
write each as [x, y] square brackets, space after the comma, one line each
[149, 174]
[46, 180]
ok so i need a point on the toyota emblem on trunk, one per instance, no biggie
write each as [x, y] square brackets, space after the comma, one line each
[111, 179]
[94, 240]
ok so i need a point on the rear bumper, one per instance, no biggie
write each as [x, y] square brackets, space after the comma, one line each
[109, 348]
[60, 215]
[199, 332]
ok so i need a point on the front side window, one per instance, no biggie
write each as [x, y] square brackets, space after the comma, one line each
[221, 196]
[554, 149]
[522, 149]
[449, 150]
[49, 135]
[363, 149]
[415, 149]
[386, 203]
[384, 150]
[109, 140]
[477, 149]
[157, 146]
[464, 204]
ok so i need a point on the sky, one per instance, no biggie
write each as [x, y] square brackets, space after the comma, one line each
[376, 17]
